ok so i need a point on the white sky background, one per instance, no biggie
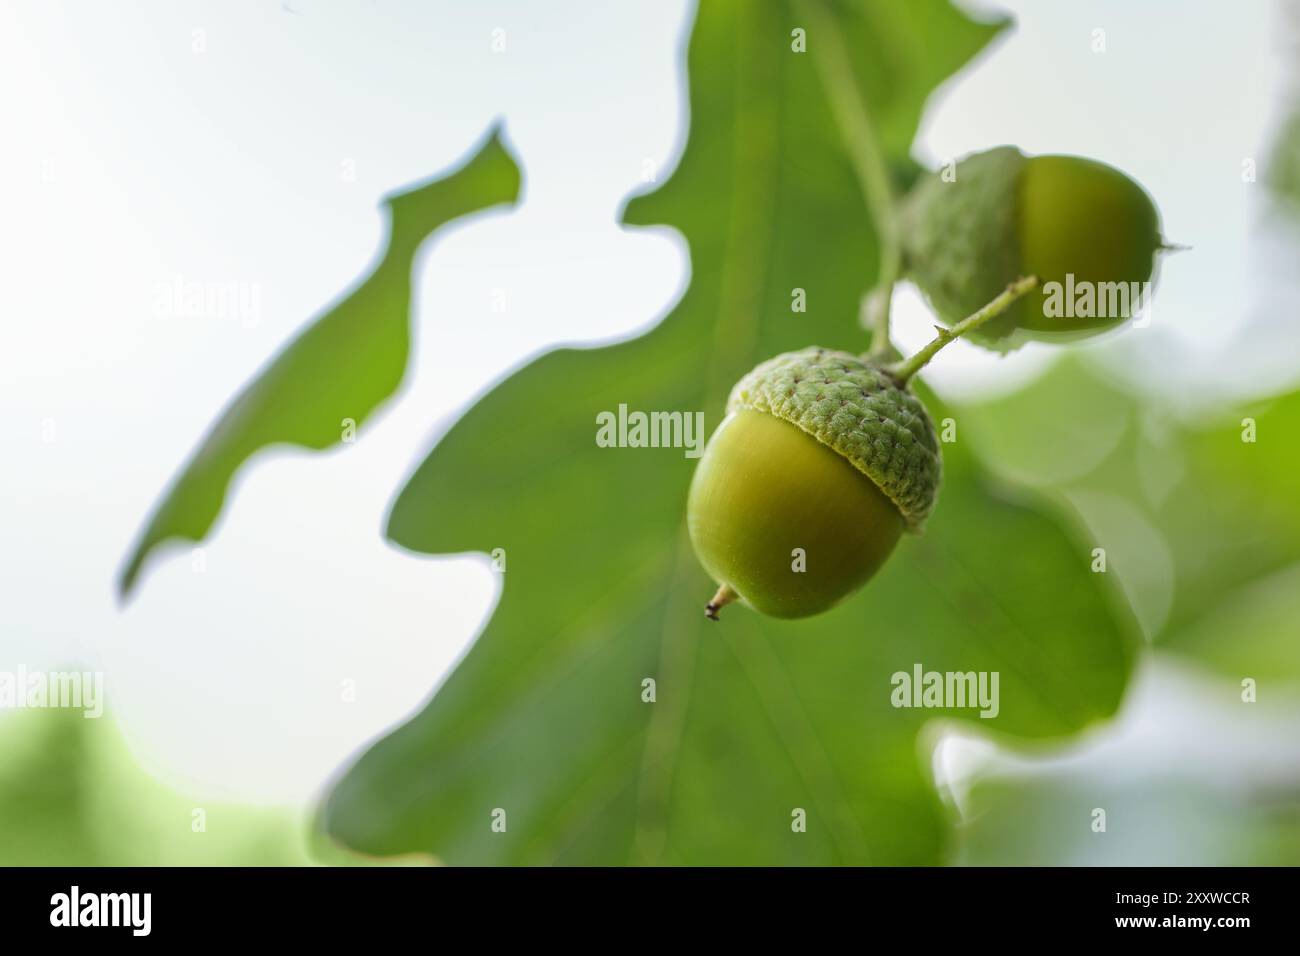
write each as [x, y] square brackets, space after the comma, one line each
[130, 158]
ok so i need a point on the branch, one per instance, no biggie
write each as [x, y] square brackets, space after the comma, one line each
[868, 159]
[905, 369]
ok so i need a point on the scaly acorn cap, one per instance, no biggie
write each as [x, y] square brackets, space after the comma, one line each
[860, 411]
[960, 243]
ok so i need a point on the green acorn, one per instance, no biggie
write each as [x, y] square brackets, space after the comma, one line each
[820, 464]
[1090, 233]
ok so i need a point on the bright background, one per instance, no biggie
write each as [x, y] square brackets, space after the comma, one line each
[251, 143]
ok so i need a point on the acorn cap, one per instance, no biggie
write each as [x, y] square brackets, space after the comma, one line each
[861, 412]
[960, 237]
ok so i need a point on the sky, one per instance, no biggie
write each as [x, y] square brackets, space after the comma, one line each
[245, 146]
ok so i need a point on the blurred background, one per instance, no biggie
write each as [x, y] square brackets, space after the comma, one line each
[246, 147]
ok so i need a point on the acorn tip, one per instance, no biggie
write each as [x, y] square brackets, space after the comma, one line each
[721, 599]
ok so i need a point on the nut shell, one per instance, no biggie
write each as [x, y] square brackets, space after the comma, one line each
[784, 522]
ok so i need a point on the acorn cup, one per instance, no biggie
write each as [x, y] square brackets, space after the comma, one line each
[1089, 232]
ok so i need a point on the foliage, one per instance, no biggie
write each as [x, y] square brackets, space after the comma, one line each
[752, 718]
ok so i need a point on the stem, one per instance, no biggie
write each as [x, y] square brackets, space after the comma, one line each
[720, 600]
[878, 303]
[905, 369]
[868, 159]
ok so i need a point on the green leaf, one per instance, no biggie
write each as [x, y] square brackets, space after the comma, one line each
[543, 725]
[1282, 171]
[340, 368]
[71, 794]
[1198, 515]
[1250, 632]
[1202, 528]
[1152, 819]
[1235, 515]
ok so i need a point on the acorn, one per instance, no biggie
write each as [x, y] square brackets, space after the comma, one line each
[1089, 232]
[823, 460]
